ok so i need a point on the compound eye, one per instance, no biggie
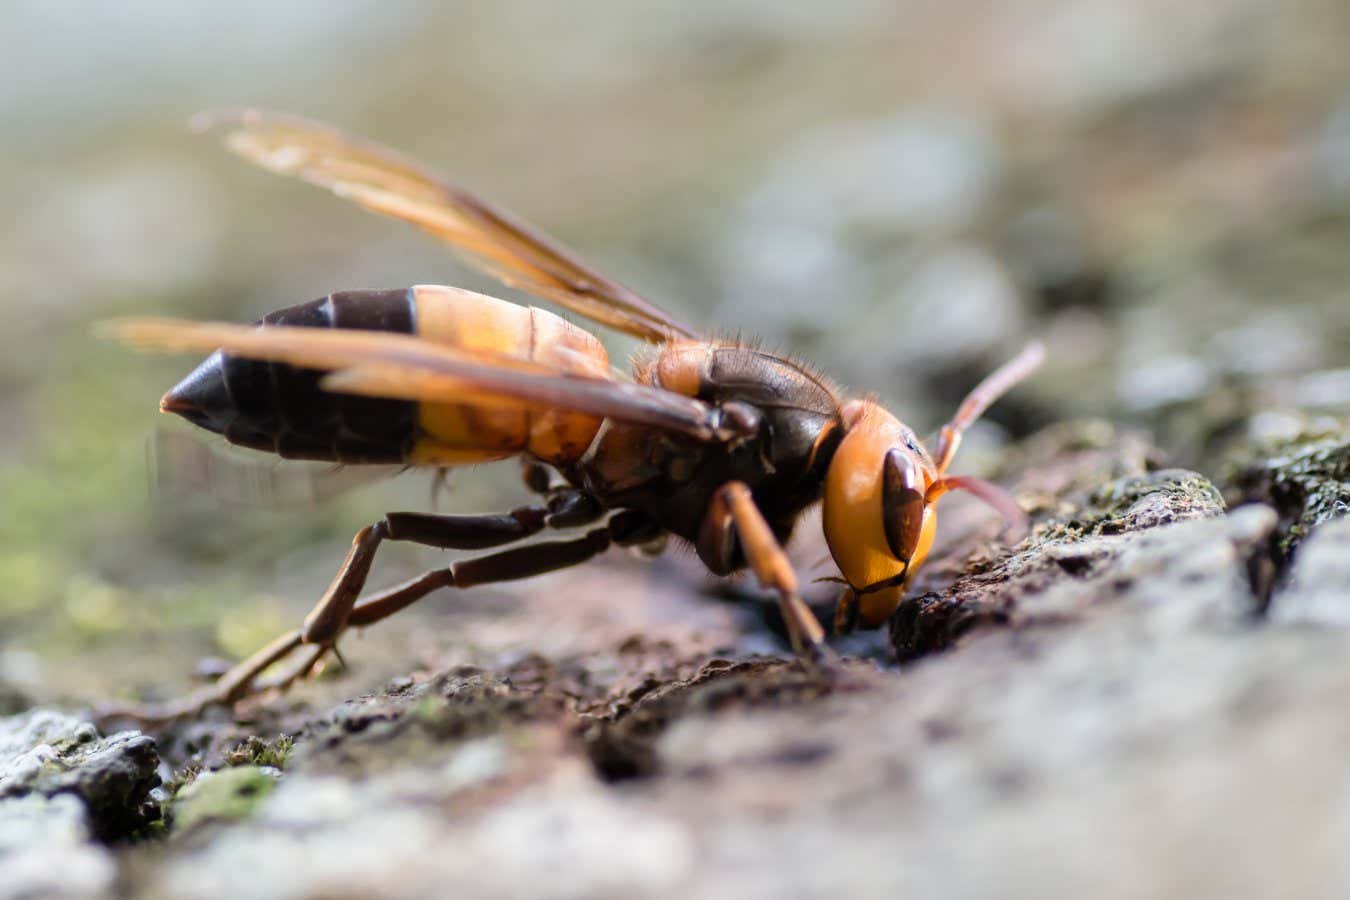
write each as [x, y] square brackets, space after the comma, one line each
[902, 503]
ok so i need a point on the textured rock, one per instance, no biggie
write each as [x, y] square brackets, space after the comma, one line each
[45, 850]
[1134, 713]
[49, 753]
[1319, 586]
[1139, 539]
[388, 837]
[1103, 756]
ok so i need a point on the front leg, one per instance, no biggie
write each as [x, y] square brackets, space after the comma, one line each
[733, 514]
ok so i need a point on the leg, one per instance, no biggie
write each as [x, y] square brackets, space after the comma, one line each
[567, 506]
[846, 612]
[329, 616]
[537, 476]
[338, 609]
[995, 385]
[565, 509]
[508, 565]
[733, 514]
[231, 686]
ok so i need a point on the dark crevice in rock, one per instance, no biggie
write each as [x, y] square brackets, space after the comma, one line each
[622, 744]
[1077, 565]
[1308, 484]
[1265, 571]
[934, 622]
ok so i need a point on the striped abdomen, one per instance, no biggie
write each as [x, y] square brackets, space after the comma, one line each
[281, 409]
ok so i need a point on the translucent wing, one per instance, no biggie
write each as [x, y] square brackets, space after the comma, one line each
[386, 182]
[402, 366]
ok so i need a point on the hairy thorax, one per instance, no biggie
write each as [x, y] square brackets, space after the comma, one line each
[674, 477]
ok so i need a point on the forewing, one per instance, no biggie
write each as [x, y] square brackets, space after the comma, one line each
[386, 182]
[402, 366]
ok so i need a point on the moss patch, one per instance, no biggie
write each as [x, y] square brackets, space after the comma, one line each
[254, 751]
[227, 795]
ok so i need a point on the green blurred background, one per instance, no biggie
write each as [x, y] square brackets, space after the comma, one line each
[902, 192]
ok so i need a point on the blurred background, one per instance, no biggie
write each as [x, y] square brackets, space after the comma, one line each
[902, 192]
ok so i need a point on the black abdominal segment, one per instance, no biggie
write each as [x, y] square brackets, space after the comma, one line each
[281, 409]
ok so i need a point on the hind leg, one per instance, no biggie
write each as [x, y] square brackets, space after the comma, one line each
[338, 608]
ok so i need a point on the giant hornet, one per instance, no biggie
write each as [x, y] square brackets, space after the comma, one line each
[714, 441]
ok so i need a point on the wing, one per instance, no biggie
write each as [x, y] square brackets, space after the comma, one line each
[402, 366]
[385, 182]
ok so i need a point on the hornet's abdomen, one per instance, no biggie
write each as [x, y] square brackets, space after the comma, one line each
[281, 409]
[455, 433]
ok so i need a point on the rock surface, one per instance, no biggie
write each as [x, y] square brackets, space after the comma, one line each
[49, 753]
[1128, 690]
[1318, 593]
[46, 850]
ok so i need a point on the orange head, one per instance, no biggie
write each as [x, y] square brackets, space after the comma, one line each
[881, 486]
[878, 519]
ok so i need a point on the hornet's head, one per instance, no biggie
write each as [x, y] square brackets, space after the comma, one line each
[878, 519]
[882, 485]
